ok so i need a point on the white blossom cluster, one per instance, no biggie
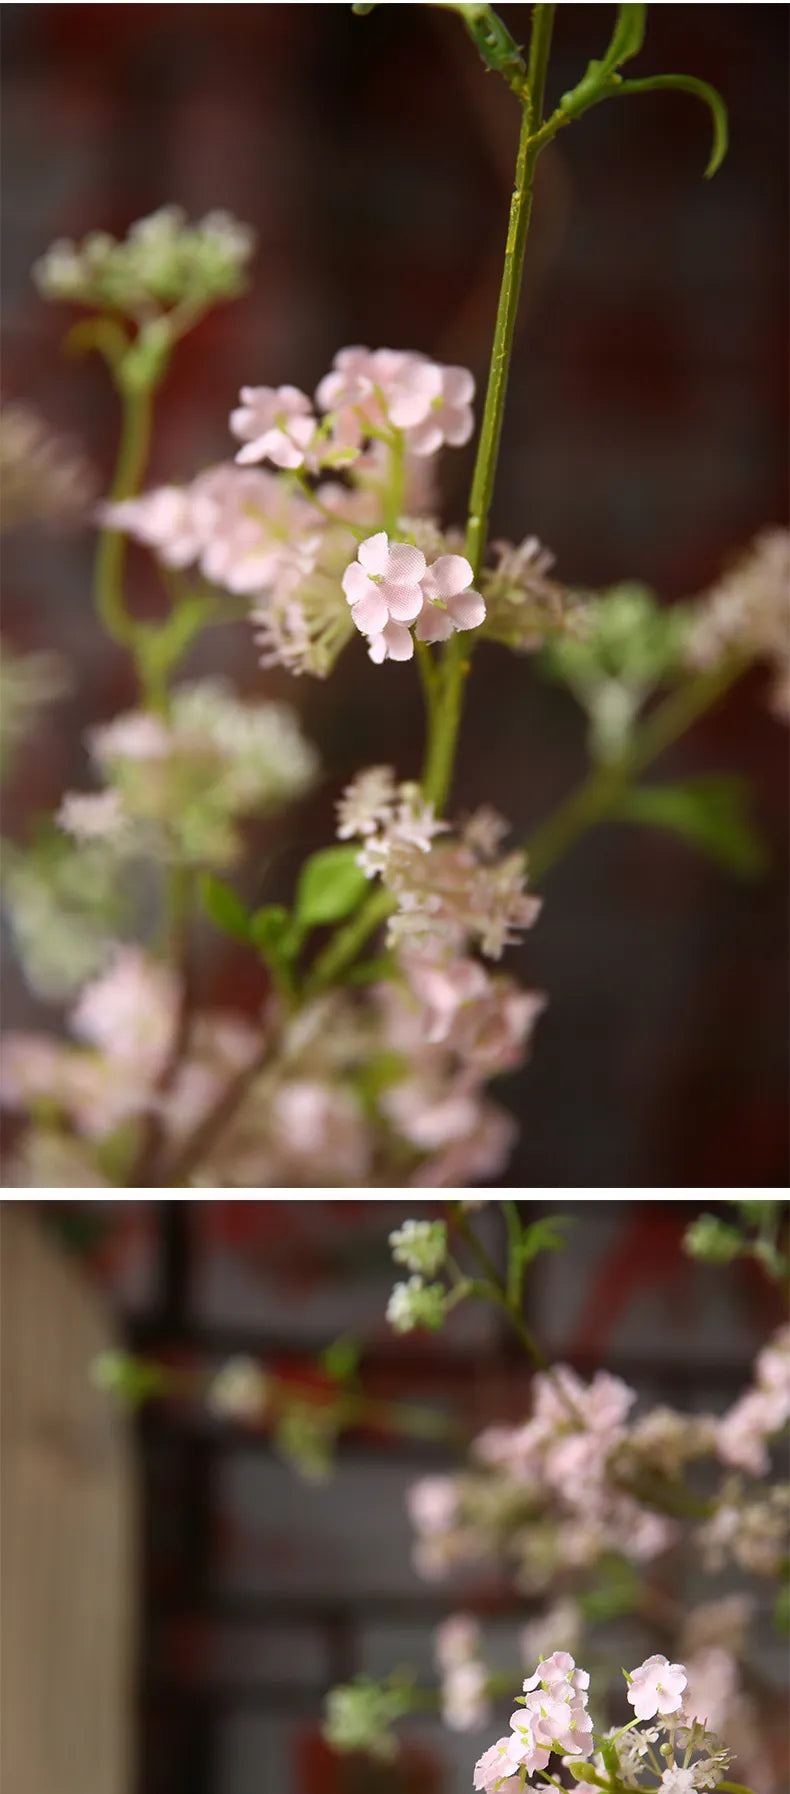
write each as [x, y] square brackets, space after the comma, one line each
[163, 261]
[177, 786]
[748, 611]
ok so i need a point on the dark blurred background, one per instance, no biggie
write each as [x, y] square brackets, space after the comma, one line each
[646, 435]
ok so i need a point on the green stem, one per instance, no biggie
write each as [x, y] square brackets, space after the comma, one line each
[342, 950]
[600, 793]
[446, 720]
[111, 550]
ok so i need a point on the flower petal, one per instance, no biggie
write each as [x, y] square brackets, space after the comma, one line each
[377, 649]
[433, 625]
[356, 584]
[458, 385]
[399, 643]
[403, 602]
[370, 613]
[452, 573]
[405, 564]
[427, 437]
[374, 553]
[467, 610]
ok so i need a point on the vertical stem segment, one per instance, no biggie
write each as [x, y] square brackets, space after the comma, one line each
[111, 550]
[445, 723]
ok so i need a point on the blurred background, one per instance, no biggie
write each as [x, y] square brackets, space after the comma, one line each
[646, 436]
[177, 1599]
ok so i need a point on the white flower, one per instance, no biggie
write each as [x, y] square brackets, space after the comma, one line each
[275, 424]
[239, 1391]
[416, 1304]
[92, 816]
[677, 1780]
[420, 1246]
[656, 1687]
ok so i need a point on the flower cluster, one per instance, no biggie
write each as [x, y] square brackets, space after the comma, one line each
[447, 894]
[163, 261]
[177, 786]
[550, 1716]
[748, 612]
[544, 1493]
[624, 648]
[44, 478]
[759, 1414]
[524, 604]
[95, 1088]
[390, 586]
[677, 1755]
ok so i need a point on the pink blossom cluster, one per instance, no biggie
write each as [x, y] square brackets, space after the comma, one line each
[241, 526]
[110, 1073]
[551, 1717]
[448, 894]
[748, 612]
[367, 394]
[761, 1412]
[390, 586]
[551, 1492]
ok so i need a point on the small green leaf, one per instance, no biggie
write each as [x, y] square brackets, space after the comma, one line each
[340, 1360]
[223, 907]
[330, 887]
[269, 930]
[711, 812]
[628, 36]
[543, 1236]
[702, 90]
[617, 1591]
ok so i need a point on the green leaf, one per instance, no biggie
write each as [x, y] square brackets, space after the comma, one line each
[543, 1236]
[702, 90]
[340, 1360]
[628, 36]
[270, 929]
[223, 907]
[330, 887]
[711, 812]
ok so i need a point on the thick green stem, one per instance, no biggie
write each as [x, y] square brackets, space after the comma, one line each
[446, 720]
[604, 787]
[111, 550]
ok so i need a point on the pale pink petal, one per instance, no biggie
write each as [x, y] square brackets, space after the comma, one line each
[426, 438]
[293, 399]
[399, 643]
[467, 610]
[449, 575]
[374, 554]
[282, 451]
[356, 584]
[370, 614]
[458, 386]
[405, 564]
[403, 602]
[458, 427]
[253, 451]
[433, 625]
[377, 649]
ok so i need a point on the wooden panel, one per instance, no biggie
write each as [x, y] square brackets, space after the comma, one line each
[66, 1530]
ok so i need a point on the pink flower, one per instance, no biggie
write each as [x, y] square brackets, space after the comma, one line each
[130, 1012]
[275, 424]
[431, 404]
[656, 1687]
[162, 519]
[495, 1769]
[450, 603]
[456, 1640]
[383, 589]
[432, 1503]
[450, 418]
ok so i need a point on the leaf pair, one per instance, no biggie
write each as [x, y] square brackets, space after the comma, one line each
[330, 886]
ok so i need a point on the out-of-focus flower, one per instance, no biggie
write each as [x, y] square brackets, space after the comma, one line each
[416, 1304]
[748, 611]
[274, 424]
[28, 682]
[164, 260]
[240, 1390]
[44, 477]
[420, 1245]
